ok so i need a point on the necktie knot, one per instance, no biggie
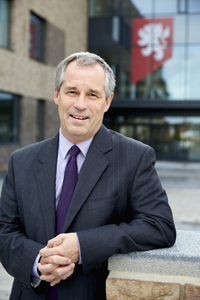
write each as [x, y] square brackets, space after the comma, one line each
[75, 151]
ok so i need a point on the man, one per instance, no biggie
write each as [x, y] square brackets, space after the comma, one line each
[118, 204]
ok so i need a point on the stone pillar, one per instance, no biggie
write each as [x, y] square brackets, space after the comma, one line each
[164, 274]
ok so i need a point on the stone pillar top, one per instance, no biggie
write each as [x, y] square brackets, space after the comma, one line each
[183, 259]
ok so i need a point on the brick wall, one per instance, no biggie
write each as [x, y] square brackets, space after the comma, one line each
[66, 32]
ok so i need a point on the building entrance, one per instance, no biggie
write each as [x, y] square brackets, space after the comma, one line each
[173, 138]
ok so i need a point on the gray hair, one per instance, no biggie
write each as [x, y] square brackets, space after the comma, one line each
[85, 59]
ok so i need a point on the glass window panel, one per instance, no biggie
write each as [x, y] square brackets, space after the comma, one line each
[143, 133]
[143, 7]
[8, 118]
[192, 137]
[160, 89]
[178, 138]
[194, 6]
[182, 6]
[185, 136]
[5, 124]
[140, 79]
[124, 6]
[116, 29]
[194, 32]
[169, 79]
[36, 38]
[99, 8]
[179, 29]
[166, 7]
[173, 137]
[101, 32]
[4, 22]
[114, 7]
[193, 76]
[127, 130]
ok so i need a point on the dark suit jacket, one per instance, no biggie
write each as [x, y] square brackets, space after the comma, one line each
[118, 206]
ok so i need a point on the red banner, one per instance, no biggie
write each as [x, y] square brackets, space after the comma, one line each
[151, 46]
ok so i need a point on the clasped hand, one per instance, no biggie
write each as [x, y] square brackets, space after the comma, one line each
[58, 258]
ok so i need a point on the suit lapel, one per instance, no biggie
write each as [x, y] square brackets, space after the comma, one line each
[45, 177]
[94, 165]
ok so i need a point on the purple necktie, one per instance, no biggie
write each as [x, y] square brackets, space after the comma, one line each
[69, 183]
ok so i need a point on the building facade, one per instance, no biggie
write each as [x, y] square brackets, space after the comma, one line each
[153, 47]
[34, 37]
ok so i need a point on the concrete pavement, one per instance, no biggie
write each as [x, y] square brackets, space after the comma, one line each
[182, 184]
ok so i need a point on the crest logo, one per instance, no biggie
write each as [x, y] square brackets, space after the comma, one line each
[151, 45]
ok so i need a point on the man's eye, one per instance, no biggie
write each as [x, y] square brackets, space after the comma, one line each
[92, 95]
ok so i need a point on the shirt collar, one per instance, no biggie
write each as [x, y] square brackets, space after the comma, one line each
[65, 145]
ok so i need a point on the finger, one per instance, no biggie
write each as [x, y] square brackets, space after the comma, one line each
[47, 268]
[51, 246]
[57, 241]
[45, 252]
[48, 277]
[54, 282]
[43, 260]
[61, 273]
[55, 259]
[64, 272]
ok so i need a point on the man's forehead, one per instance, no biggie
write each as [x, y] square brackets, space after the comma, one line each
[76, 64]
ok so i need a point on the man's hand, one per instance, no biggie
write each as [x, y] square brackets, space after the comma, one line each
[57, 272]
[58, 258]
[64, 245]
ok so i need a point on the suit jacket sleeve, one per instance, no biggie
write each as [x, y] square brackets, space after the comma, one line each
[146, 224]
[17, 251]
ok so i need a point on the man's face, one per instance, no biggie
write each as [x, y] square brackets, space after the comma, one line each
[82, 101]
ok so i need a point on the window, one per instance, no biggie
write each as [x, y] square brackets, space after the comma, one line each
[40, 120]
[174, 137]
[36, 49]
[4, 23]
[8, 118]
[154, 47]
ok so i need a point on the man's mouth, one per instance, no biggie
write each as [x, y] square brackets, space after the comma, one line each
[79, 118]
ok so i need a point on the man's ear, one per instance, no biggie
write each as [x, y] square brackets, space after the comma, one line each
[56, 96]
[108, 102]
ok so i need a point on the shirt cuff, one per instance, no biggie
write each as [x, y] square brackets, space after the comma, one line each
[34, 270]
[80, 259]
[35, 278]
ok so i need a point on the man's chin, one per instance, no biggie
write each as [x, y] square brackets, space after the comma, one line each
[78, 136]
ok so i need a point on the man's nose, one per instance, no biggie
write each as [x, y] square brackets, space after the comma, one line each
[80, 102]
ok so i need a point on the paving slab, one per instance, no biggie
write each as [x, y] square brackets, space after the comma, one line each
[182, 184]
[5, 284]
